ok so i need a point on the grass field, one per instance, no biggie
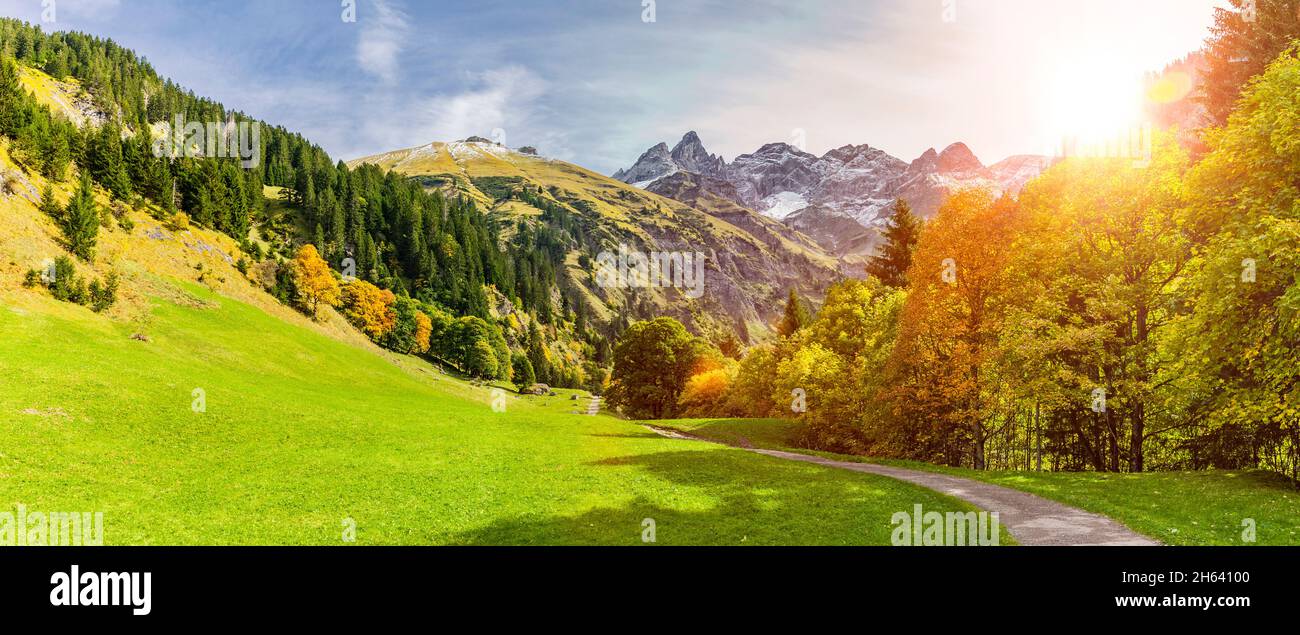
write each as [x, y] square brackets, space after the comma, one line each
[302, 431]
[1177, 508]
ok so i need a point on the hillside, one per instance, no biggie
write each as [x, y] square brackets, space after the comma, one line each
[301, 433]
[751, 263]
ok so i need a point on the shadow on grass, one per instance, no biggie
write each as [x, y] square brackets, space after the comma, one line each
[624, 435]
[722, 497]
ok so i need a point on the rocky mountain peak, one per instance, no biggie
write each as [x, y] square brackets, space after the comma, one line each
[690, 155]
[927, 162]
[958, 158]
[654, 164]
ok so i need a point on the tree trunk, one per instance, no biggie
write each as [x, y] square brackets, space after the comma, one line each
[978, 450]
[1135, 456]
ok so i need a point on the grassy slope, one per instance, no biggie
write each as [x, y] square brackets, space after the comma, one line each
[1178, 508]
[302, 431]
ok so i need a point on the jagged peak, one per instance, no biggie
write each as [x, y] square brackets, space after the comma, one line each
[958, 158]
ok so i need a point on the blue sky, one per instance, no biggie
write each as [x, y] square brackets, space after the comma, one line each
[593, 82]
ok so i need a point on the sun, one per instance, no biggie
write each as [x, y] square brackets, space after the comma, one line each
[1092, 99]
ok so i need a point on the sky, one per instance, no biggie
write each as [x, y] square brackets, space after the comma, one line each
[596, 82]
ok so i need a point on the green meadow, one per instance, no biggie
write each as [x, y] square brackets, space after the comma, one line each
[294, 435]
[1214, 507]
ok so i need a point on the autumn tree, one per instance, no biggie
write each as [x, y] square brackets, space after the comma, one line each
[369, 308]
[423, 332]
[942, 391]
[314, 280]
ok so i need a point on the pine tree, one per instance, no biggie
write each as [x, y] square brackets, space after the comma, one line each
[1246, 37]
[13, 100]
[80, 221]
[895, 258]
[49, 205]
[57, 156]
[796, 316]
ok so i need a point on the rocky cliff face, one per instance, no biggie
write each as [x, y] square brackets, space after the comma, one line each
[841, 199]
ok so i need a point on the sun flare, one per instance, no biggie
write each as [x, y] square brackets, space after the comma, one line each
[1093, 99]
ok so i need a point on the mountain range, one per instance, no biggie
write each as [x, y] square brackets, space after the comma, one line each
[842, 199]
[752, 261]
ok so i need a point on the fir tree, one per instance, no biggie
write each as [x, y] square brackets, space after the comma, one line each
[796, 316]
[80, 221]
[895, 258]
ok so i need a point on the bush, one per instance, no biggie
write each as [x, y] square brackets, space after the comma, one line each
[67, 286]
[178, 222]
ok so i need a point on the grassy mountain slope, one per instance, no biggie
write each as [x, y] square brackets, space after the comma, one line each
[750, 266]
[302, 431]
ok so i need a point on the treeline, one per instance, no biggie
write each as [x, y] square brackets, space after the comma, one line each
[1121, 315]
[376, 226]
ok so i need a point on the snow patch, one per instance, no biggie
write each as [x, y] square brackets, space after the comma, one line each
[783, 204]
[641, 185]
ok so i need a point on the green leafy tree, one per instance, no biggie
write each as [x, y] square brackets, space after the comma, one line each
[480, 360]
[1246, 37]
[1243, 330]
[652, 362]
[523, 372]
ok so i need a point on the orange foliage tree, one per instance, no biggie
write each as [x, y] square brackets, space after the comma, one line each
[943, 370]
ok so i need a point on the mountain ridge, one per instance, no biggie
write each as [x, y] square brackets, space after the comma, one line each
[811, 194]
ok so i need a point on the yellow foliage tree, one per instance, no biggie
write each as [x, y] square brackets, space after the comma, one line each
[705, 393]
[370, 308]
[315, 281]
[423, 329]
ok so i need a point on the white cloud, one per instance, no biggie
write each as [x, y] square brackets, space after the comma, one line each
[501, 98]
[383, 34]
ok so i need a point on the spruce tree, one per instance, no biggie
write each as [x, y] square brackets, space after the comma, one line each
[49, 205]
[13, 100]
[796, 316]
[895, 258]
[80, 221]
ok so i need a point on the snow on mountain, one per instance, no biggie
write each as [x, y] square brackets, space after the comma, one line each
[782, 204]
[854, 182]
[654, 164]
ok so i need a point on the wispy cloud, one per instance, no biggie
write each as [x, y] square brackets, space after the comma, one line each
[383, 35]
[499, 98]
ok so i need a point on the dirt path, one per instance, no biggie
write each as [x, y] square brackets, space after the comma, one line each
[1032, 520]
